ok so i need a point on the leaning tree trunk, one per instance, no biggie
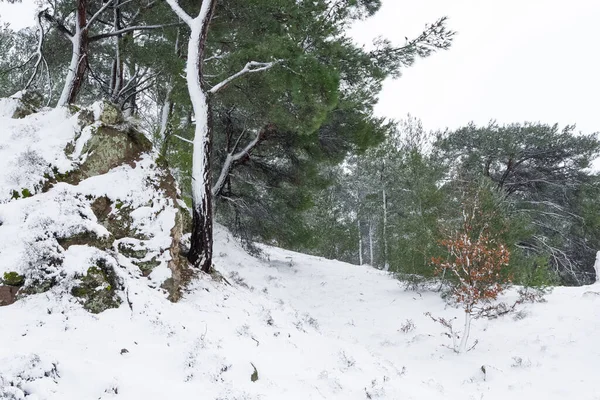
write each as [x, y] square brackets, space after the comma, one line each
[79, 62]
[201, 250]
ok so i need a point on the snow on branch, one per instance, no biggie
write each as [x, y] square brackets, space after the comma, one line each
[250, 67]
[233, 157]
[184, 139]
[39, 54]
[185, 17]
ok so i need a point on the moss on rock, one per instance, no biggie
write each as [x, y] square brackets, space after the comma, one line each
[119, 223]
[130, 250]
[111, 114]
[98, 288]
[86, 238]
[30, 102]
[147, 266]
[13, 279]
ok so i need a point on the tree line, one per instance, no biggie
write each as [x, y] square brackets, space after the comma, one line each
[395, 205]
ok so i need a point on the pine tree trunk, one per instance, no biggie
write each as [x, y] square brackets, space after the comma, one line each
[386, 264]
[371, 242]
[360, 249]
[79, 63]
[201, 250]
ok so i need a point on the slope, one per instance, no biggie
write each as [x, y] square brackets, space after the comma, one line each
[282, 325]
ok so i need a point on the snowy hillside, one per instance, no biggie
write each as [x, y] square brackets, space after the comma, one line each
[313, 328]
[280, 326]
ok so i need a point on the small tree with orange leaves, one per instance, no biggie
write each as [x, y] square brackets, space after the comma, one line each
[475, 261]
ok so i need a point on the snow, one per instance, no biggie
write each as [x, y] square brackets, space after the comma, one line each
[312, 327]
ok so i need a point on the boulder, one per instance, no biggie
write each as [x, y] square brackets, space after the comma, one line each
[98, 288]
[109, 147]
[28, 102]
[110, 114]
[8, 295]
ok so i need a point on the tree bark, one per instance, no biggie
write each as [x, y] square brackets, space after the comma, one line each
[201, 250]
[79, 62]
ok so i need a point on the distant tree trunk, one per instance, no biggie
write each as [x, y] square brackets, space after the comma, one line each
[79, 62]
[371, 242]
[386, 265]
[360, 245]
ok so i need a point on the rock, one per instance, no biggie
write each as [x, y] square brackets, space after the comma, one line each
[181, 270]
[119, 223]
[13, 279]
[130, 250]
[109, 147]
[86, 238]
[110, 114]
[29, 102]
[85, 118]
[8, 295]
[98, 288]
[147, 266]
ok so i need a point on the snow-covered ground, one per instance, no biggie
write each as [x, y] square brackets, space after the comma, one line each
[313, 328]
[286, 326]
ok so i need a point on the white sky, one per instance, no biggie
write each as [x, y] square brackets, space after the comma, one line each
[512, 60]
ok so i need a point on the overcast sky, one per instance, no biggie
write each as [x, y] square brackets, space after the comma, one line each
[512, 60]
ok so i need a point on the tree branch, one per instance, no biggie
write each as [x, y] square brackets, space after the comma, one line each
[38, 52]
[130, 29]
[249, 68]
[185, 17]
[184, 139]
[59, 25]
[97, 14]
[231, 158]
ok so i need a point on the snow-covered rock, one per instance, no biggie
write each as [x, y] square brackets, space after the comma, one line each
[76, 195]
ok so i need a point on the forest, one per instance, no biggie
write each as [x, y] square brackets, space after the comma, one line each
[263, 111]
